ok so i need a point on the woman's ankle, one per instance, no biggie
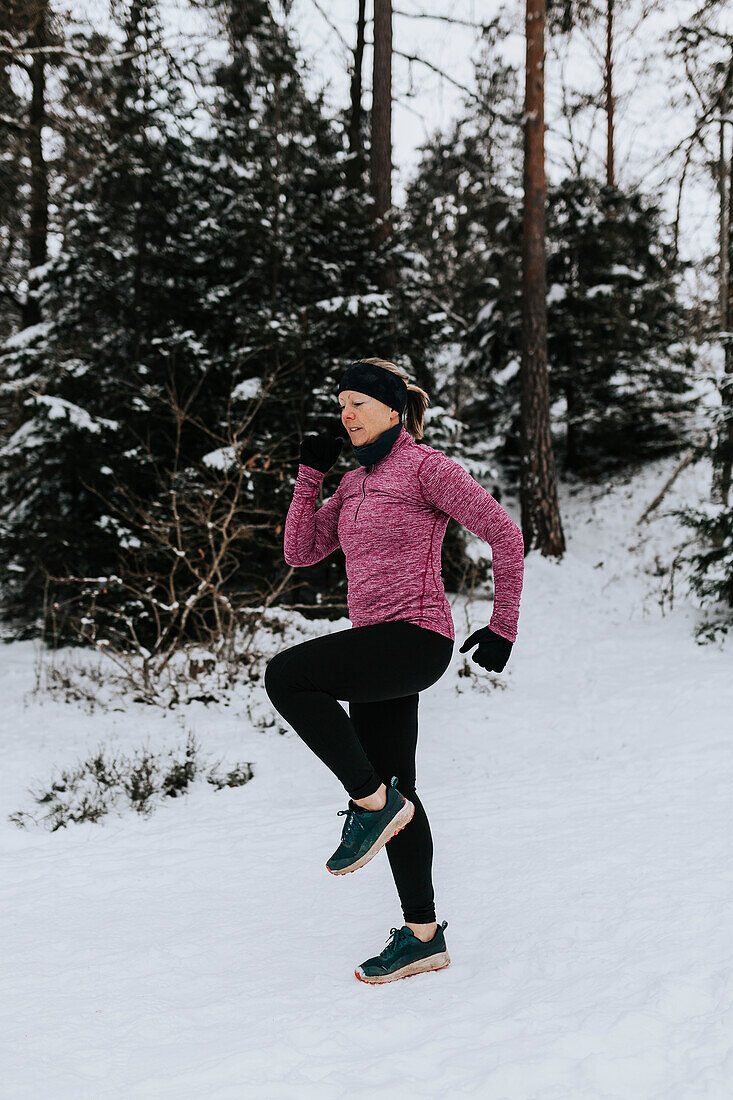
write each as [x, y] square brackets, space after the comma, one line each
[376, 801]
[424, 932]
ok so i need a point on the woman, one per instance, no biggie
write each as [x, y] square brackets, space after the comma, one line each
[389, 516]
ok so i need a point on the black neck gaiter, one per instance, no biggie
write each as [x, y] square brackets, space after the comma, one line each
[370, 453]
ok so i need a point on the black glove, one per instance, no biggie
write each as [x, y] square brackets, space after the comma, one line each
[320, 451]
[493, 650]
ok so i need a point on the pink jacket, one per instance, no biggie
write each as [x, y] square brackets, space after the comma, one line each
[390, 519]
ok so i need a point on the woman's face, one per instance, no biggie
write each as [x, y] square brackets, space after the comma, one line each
[366, 415]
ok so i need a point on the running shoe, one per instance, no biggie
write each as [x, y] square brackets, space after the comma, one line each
[404, 956]
[366, 831]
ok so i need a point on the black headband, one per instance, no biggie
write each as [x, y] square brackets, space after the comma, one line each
[375, 381]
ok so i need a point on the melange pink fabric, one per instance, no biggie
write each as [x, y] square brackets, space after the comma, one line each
[390, 520]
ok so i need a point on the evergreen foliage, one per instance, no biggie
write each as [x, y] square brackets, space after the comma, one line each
[710, 564]
[708, 557]
[118, 302]
[619, 358]
[620, 363]
[207, 294]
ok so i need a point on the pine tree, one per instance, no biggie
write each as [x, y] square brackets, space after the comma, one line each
[619, 358]
[119, 299]
[709, 565]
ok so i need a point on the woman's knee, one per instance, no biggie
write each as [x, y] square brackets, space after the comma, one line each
[276, 673]
[288, 672]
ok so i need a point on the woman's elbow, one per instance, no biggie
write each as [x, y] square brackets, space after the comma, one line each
[299, 561]
[291, 556]
[293, 560]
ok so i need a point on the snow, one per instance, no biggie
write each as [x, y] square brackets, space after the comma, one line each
[505, 375]
[484, 314]
[556, 293]
[247, 390]
[580, 809]
[352, 304]
[27, 336]
[623, 269]
[221, 459]
[25, 438]
[61, 409]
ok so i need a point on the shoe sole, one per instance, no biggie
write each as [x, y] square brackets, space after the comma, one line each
[402, 818]
[421, 966]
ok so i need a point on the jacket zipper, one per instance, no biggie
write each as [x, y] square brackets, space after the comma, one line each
[363, 493]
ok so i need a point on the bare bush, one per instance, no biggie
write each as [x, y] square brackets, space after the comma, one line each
[179, 585]
[102, 783]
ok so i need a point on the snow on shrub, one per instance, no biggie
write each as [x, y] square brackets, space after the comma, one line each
[103, 783]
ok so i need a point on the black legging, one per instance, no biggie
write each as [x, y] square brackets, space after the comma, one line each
[379, 670]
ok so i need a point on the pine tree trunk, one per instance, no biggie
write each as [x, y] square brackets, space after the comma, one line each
[356, 164]
[541, 526]
[723, 451]
[608, 81]
[722, 459]
[38, 215]
[276, 215]
[13, 135]
[722, 220]
[381, 128]
[125, 66]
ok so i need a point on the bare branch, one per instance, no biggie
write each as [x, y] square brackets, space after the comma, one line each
[695, 454]
[9, 294]
[407, 57]
[441, 19]
[333, 27]
[57, 52]
[434, 68]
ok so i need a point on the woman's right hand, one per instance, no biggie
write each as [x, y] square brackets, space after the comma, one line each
[320, 451]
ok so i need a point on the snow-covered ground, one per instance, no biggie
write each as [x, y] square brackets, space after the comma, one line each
[580, 807]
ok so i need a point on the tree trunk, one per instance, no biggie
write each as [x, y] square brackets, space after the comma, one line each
[723, 450]
[541, 525]
[356, 165]
[124, 79]
[275, 255]
[381, 127]
[723, 453]
[38, 215]
[608, 81]
[723, 218]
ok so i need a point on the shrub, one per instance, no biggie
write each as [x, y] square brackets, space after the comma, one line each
[104, 783]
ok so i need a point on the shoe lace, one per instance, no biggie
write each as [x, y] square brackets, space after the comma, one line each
[396, 936]
[352, 825]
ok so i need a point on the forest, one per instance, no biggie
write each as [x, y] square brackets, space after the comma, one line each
[193, 249]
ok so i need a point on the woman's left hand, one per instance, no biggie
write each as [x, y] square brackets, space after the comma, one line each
[493, 650]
